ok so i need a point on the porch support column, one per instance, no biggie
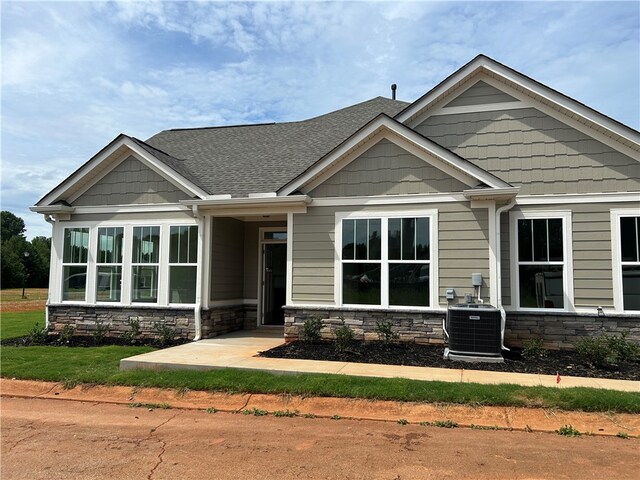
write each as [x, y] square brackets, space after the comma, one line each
[289, 287]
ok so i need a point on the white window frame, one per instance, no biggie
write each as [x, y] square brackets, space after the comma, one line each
[125, 297]
[121, 264]
[384, 216]
[567, 253]
[134, 264]
[89, 284]
[616, 256]
[181, 264]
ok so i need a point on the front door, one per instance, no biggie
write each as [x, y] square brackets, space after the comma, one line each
[274, 282]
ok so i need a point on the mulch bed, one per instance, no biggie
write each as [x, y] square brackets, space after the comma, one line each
[563, 362]
[85, 341]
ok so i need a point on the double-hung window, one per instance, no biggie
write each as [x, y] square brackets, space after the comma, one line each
[183, 259]
[386, 261]
[145, 263]
[630, 261]
[361, 261]
[541, 263]
[75, 259]
[109, 264]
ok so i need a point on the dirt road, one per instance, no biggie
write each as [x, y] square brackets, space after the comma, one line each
[65, 439]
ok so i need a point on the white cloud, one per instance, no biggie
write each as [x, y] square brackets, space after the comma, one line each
[74, 75]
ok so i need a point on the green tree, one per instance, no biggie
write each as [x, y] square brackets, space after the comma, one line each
[16, 268]
[13, 267]
[11, 226]
[38, 262]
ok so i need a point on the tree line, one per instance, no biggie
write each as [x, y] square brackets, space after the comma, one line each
[23, 263]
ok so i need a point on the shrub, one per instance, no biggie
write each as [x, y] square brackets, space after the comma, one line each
[100, 332]
[311, 329]
[533, 348]
[131, 336]
[66, 334]
[607, 350]
[36, 336]
[165, 334]
[344, 337]
[385, 332]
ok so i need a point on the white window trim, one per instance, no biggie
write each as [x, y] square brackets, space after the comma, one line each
[121, 264]
[181, 264]
[385, 215]
[89, 284]
[616, 255]
[161, 256]
[56, 281]
[567, 249]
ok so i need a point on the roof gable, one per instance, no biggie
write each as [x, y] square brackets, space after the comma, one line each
[101, 164]
[387, 169]
[384, 127]
[530, 93]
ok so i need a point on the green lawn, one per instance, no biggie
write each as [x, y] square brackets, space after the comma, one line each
[14, 325]
[100, 365]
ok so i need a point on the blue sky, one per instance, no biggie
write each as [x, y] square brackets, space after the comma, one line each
[75, 74]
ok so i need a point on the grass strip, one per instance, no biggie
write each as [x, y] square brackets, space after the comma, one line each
[99, 365]
[18, 324]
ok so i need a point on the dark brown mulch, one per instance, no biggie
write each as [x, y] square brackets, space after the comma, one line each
[86, 341]
[563, 362]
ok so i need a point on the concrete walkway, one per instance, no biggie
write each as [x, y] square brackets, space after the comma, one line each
[240, 349]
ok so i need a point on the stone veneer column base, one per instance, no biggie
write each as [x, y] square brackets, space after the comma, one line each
[413, 325]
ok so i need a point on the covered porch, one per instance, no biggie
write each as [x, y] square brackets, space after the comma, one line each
[245, 263]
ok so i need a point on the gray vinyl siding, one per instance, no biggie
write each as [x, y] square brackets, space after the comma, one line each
[463, 239]
[313, 255]
[131, 182]
[463, 250]
[592, 261]
[387, 169]
[481, 94]
[527, 148]
[227, 259]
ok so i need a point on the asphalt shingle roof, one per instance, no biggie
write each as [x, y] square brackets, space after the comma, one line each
[247, 159]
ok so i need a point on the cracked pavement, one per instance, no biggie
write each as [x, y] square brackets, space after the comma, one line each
[49, 438]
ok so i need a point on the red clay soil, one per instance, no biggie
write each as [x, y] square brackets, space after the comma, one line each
[507, 418]
[45, 438]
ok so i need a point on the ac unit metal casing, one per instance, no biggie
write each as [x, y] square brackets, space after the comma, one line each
[474, 329]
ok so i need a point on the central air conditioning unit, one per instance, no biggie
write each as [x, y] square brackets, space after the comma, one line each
[473, 333]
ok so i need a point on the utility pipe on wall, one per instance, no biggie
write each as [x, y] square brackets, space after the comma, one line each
[503, 314]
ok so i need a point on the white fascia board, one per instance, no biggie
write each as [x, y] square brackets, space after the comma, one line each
[573, 198]
[52, 209]
[386, 127]
[410, 199]
[250, 206]
[77, 177]
[491, 193]
[490, 69]
[133, 208]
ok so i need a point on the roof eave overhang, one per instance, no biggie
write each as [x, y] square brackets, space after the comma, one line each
[497, 194]
[249, 206]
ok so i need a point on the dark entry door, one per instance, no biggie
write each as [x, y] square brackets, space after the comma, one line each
[274, 282]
